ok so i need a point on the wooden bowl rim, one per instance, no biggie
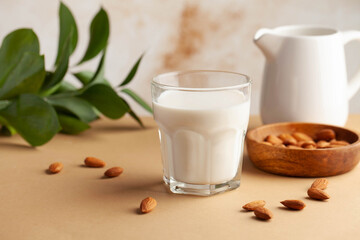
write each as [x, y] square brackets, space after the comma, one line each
[249, 136]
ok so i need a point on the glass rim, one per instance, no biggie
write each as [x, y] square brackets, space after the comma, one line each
[155, 83]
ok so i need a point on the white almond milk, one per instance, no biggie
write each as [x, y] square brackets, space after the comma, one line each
[201, 134]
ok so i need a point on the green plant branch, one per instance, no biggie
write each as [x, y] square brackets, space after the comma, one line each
[38, 104]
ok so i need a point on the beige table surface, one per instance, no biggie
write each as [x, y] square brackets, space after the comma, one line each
[79, 204]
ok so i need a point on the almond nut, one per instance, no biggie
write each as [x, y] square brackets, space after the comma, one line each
[287, 139]
[113, 172]
[317, 194]
[322, 144]
[294, 147]
[273, 140]
[301, 137]
[325, 134]
[320, 183]
[309, 145]
[340, 143]
[266, 143]
[94, 162]
[55, 167]
[263, 213]
[335, 146]
[254, 204]
[294, 204]
[300, 143]
[147, 205]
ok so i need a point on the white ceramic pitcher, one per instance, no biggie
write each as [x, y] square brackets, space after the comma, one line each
[305, 76]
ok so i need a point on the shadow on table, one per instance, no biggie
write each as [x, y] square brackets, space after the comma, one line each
[131, 184]
[147, 186]
[17, 146]
[249, 167]
[156, 186]
[122, 128]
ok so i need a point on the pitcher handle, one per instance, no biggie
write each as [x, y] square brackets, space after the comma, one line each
[354, 83]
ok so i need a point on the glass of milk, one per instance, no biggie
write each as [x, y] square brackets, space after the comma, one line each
[202, 118]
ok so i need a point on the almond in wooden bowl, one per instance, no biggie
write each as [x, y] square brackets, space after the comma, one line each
[312, 161]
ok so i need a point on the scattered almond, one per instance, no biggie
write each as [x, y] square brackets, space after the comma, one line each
[320, 183]
[147, 205]
[273, 140]
[317, 194]
[263, 213]
[94, 162]
[294, 204]
[287, 139]
[113, 172]
[55, 167]
[254, 204]
[325, 134]
[299, 136]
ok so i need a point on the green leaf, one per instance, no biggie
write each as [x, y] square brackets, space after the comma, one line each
[26, 77]
[137, 99]
[136, 118]
[77, 106]
[132, 72]
[133, 115]
[85, 77]
[99, 74]
[13, 48]
[71, 125]
[7, 130]
[61, 87]
[99, 34]
[62, 67]
[47, 92]
[33, 118]
[66, 87]
[88, 78]
[67, 26]
[4, 104]
[106, 100]
[65, 94]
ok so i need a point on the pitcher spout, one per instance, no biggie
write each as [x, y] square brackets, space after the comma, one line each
[266, 40]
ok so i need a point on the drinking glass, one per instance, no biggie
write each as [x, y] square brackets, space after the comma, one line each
[202, 118]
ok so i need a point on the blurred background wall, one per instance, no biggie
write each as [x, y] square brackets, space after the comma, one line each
[182, 34]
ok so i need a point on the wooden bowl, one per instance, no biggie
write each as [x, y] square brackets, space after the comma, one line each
[302, 162]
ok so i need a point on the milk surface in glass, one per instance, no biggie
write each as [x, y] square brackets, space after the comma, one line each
[201, 134]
